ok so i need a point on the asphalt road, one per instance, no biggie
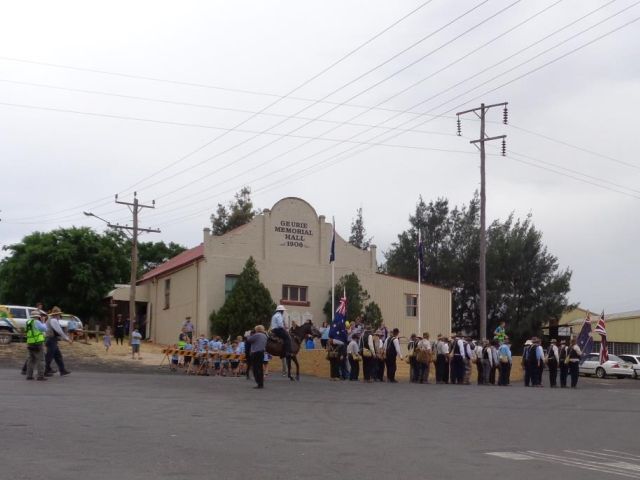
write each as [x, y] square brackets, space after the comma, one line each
[102, 426]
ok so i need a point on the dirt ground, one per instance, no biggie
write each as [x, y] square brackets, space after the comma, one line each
[92, 356]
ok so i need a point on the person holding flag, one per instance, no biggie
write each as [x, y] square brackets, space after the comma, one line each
[601, 329]
[338, 334]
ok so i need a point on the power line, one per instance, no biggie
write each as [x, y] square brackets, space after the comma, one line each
[332, 109]
[582, 149]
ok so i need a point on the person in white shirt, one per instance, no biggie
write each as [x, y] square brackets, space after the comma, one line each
[54, 332]
[442, 359]
[487, 361]
[553, 360]
[391, 352]
[353, 354]
[368, 353]
[574, 362]
[423, 358]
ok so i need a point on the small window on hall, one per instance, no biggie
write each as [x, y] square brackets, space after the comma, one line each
[229, 282]
[411, 304]
[294, 294]
[167, 293]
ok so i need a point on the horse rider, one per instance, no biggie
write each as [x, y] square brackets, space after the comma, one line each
[278, 328]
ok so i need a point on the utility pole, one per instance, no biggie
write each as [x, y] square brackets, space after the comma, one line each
[135, 208]
[480, 112]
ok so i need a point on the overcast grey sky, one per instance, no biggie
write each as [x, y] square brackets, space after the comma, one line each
[70, 138]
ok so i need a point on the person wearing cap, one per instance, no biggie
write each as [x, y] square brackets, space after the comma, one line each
[278, 328]
[442, 359]
[35, 345]
[553, 359]
[258, 343]
[563, 353]
[54, 332]
[525, 364]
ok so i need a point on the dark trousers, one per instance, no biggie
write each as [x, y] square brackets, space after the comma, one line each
[480, 371]
[458, 369]
[334, 367]
[413, 369]
[391, 368]
[355, 369]
[256, 365]
[286, 340]
[564, 371]
[119, 339]
[493, 373]
[574, 369]
[534, 374]
[380, 370]
[423, 372]
[368, 367]
[442, 369]
[324, 342]
[553, 372]
[527, 375]
[505, 373]
[53, 353]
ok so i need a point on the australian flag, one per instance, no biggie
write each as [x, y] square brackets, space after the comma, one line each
[421, 265]
[332, 252]
[338, 329]
[585, 338]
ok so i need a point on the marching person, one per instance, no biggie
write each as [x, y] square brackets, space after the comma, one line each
[442, 356]
[553, 359]
[368, 353]
[506, 360]
[496, 362]
[487, 361]
[424, 358]
[535, 357]
[258, 343]
[391, 352]
[525, 362]
[35, 345]
[574, 362]
[353, 353]
[458, 360]
[278, 328]
[379, 364]
[54, 332]
[564, 363]
[413, 364]
[335, 353]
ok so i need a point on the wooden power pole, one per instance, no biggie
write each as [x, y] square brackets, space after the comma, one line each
[480, 112]
[135, 208]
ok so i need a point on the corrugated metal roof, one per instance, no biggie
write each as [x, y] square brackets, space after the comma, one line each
[176, 263]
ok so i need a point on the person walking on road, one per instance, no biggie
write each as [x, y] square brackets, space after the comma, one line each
[553, 359]
[35, 345]
[55, 332]
[564, 363]
[392, 351]
[442, 360]
[505, 360]
[258, 343]
[574, 362]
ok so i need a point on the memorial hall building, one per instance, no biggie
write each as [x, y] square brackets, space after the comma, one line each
[290, 244]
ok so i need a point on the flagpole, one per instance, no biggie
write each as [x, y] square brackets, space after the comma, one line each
[333, 271]
[419, 280]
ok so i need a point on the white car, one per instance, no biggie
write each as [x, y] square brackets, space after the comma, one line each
[590, 365]
[18, 316]
[634, 360]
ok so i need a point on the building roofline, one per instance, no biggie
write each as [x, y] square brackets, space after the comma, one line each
[414, 281]
[179, 262]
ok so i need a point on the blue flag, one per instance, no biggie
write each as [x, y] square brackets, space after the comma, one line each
[332, 253]
[338, 329]
[585, 338]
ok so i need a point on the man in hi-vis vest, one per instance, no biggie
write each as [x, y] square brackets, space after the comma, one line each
[35, 345]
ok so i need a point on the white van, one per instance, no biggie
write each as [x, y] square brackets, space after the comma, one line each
[18, 316]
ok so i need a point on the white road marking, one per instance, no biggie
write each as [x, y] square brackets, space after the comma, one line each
[585, 465]
[511, 455]
[620, 455]
[631, 455]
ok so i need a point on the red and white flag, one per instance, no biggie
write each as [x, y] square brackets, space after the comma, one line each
[601, 328]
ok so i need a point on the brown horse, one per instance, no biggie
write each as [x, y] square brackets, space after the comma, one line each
[297, 334]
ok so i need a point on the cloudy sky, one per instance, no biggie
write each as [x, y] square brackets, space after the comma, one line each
[186, 102]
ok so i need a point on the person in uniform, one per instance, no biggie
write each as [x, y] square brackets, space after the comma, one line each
[377, 341]
[413, 364]
[458, 360]
[563, 363]
[35, 330]
[442, 359]
[258, 343]
[574, 362]
[392, 352]
[553, 359]
[278, 328]
[368, 354]
[525, 363]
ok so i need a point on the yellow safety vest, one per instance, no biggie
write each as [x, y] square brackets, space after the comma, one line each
[34, 336]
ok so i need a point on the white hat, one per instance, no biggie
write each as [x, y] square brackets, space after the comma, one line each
[280, 308]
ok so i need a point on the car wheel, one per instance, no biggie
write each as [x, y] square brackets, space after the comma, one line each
[600, 373]
[5, 338]
[635, 374]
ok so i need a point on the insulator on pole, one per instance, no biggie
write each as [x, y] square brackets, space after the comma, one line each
[504, 147]
[459, 127]
[505, 115]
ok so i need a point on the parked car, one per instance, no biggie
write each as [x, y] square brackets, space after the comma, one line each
[7, 331]
[590, 365]
[18, 316]
[634, 360]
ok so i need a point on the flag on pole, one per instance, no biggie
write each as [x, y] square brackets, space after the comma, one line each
[422, 268]
[585, 338]
[601, 328]
[338, 329]
[332, 253]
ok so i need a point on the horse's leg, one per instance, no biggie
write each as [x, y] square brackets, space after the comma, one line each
[295, 360]
[289, 368]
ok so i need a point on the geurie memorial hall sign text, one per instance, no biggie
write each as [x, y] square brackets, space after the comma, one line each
[295, 233]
